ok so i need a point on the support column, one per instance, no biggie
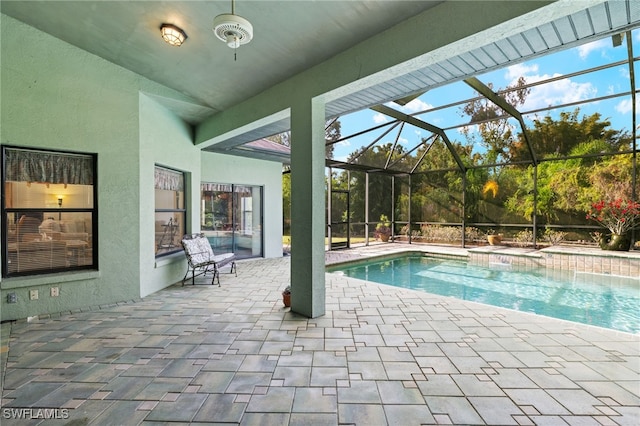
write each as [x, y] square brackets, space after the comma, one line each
[329, 218]
[307, 208]
[366, 208]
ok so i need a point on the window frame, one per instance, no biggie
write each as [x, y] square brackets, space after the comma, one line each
[184, 211]
[233, 190]
[61, 209]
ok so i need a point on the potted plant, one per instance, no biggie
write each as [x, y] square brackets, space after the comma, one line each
[493, 238]
[383, 229]
[286, 296]
[619, 217]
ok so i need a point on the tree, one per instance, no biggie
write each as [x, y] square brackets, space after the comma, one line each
[331, 134]
[610, 179]
[283, 138]
[379, 184]
[286, 202]
[437, 187]
[560, 136]
[567, 187]
[495, 132]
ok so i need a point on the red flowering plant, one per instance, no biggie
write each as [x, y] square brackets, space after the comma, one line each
[619, 216]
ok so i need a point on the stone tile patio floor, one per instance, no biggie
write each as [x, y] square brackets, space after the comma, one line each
[381, 355]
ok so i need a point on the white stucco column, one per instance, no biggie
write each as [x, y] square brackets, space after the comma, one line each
[307, 208]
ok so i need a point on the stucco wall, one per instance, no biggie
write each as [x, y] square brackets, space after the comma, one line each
[55, 96]
[165, 140]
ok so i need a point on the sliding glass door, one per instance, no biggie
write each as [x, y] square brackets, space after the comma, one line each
[231, 218]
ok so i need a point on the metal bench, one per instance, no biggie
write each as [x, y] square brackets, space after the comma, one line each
[202, 260]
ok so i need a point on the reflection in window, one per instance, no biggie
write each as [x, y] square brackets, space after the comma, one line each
[49, 218]
[231, 218]
[170, 212]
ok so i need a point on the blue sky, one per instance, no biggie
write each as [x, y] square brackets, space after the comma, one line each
[564, 90]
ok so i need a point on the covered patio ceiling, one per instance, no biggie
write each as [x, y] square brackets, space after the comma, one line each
[292, 38]
[289, 37]
[609, 19]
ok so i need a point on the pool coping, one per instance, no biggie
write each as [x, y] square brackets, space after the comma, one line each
[566, 258]
[459, 254]
[561, 257]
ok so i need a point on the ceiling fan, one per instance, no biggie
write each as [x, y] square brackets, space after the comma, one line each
[233, 29]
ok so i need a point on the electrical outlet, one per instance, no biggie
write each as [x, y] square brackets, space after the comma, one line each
[33, 294]
[55, 291]
[12, 297]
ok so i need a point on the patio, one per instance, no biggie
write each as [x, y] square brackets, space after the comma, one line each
[380, 355]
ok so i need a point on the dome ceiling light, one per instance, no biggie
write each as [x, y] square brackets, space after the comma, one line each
[173, 35]
[233, 29]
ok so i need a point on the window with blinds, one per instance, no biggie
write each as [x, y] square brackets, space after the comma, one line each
[48, 210]
[170, 211]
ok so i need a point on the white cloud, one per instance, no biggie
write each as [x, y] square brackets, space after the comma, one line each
[436, 120]
[586, 49]
[403, 141]
[416, 105]
[345, 142]
[515, 71]
[380, 118]
[624, 73]
[557, 92]
[624, 106]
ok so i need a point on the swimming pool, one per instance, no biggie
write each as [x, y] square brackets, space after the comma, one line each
[601, 300]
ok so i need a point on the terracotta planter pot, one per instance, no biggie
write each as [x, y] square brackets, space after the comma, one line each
[494, 239]
[384, 237]
[286, 299]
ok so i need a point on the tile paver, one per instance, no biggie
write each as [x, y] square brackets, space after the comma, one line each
[540, 400]
[314, 400]
[380, 355]
[395, 393]
[458, 409]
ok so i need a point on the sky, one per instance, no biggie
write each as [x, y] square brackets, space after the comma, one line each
[564, 90]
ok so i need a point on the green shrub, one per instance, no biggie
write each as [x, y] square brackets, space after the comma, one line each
[554, 237]
[524, 238]
[441, 233]
[473, 234]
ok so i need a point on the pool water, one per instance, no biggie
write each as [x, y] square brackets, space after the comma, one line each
[601, 300]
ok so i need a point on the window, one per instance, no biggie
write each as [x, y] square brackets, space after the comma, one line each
[49, 215]
[231, 218]
[170, 217]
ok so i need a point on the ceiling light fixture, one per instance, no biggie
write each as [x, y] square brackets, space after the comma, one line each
[233, 29]
[173, 35]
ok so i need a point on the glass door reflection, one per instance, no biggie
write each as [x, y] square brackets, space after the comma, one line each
[231, 218]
